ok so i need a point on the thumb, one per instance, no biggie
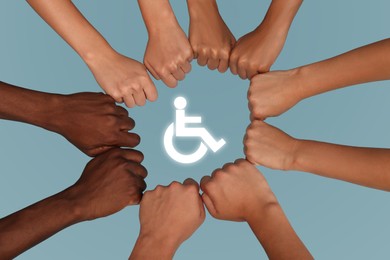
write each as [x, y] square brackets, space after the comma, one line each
[209, 205]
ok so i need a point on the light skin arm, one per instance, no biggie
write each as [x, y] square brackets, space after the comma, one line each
[257, 51]
[239, 192]
[268, 146]
[109, 183]
[210, 38]
[273, 93]
[168, 216]
[73, 116]
[125, 79]
[168, 53]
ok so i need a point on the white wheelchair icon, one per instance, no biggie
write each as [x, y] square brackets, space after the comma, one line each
[179, 129]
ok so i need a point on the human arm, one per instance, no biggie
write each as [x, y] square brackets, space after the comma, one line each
[168, 53]
[121, 77]
[257, 51]
[109, 183]
[268, 146]
[239, 192]
[90, 121]
[168, 216]
[210, 38]
[273, 93]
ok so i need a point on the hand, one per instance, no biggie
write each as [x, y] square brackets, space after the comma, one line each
[257, 51]
[124, 79]
[93, 123]
[109, 183]
[210, 38]
[268, 146]
[168, 216]
[168, 54]
[273, 93]
[237, 192]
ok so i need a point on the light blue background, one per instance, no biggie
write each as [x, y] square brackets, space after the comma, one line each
[336, 220]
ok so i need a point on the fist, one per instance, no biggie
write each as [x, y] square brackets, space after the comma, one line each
[273, 93]
[94, 123]
[172, 213]
[109, 183]
[236, 192]
[268, 146]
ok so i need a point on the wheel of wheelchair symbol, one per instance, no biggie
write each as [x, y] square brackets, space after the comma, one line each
[177, 156]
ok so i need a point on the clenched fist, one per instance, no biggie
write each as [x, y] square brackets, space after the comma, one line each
[273, 93]
[210, 38]
[268, 146]
[169, 215]
[109, 183]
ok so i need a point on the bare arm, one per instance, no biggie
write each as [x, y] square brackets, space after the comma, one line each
[273, 93]
[269, 146]
[239, 192]
[125, 79]
[109, 183]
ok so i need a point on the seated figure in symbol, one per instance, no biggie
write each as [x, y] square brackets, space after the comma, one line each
[182, 130]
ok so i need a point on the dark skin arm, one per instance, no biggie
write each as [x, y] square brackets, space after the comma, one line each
[90, 121]
[109, 183]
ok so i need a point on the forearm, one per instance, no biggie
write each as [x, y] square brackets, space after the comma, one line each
[30, 226]
[365, 64]
[28, 106]
[364, 166]
[280, 14]
[277, 236]
[148, 247]
[70, 24]
[195, 7]
[158, 15]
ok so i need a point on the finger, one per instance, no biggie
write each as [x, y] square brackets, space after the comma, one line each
[178, 74]
[132, 155]
[209, 205]
[129, 139]
[127, 123]
[135, 199]
[137, 169]
[233, 66]
[150, 91]
[202, 58]
[251, 73]
[223, 65]
[152, 71]
[242, 72]
[192, 182]
[139, 98]
[121, 111]
[214, 172]
[129, 101]
[169, 80]
[186, 67]
[204, 182]
[212, 64]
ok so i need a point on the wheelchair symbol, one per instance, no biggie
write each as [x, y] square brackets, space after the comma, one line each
[179, 129]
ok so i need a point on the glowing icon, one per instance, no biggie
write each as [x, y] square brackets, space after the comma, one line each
[180, 129]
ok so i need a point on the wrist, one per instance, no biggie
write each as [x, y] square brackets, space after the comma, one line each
[158, 16]
[151, 246]
[197, 8]
[264, 215]
[73, 209]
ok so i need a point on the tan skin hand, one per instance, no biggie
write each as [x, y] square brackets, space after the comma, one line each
[125, 79]
[236, 192]
[169, 215]
[109, 183]
[210, 38]
[273, 93]
[168, 55]
[94, 123]
[268, 146]
[256, 52]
